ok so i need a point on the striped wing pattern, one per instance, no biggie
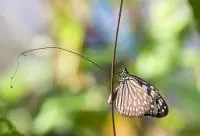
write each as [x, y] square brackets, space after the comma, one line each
[135, 97]
[131, 100]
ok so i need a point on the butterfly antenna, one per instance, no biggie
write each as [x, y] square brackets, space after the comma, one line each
[43, 48]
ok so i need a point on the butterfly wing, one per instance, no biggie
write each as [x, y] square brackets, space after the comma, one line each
[130, 99]
[159, 107]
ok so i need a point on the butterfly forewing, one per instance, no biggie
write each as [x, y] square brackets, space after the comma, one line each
[131, 100]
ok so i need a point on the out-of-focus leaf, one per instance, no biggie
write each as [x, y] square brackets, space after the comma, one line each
[88, 120]
[190, 130]
[174, 116]
[166, 24]
[185, 93]
[124, 126]
[196, 12]
[190, 58]
[61, 111]
[7, 128]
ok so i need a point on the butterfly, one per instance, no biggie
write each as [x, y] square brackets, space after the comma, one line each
[135, 97]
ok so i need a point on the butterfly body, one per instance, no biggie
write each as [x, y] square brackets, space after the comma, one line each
[135, 97]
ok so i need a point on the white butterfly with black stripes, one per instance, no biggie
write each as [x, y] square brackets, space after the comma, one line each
[135, 97]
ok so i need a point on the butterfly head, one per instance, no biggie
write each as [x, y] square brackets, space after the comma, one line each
[123, 73]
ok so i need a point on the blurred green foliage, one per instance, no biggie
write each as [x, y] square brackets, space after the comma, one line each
[196, 12]
[7, 128]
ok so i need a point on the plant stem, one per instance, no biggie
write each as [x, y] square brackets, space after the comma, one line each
[113, 67]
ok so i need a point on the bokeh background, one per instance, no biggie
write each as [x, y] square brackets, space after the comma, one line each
[56, 93]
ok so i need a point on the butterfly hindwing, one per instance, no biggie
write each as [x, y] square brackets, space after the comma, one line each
[159, 107]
